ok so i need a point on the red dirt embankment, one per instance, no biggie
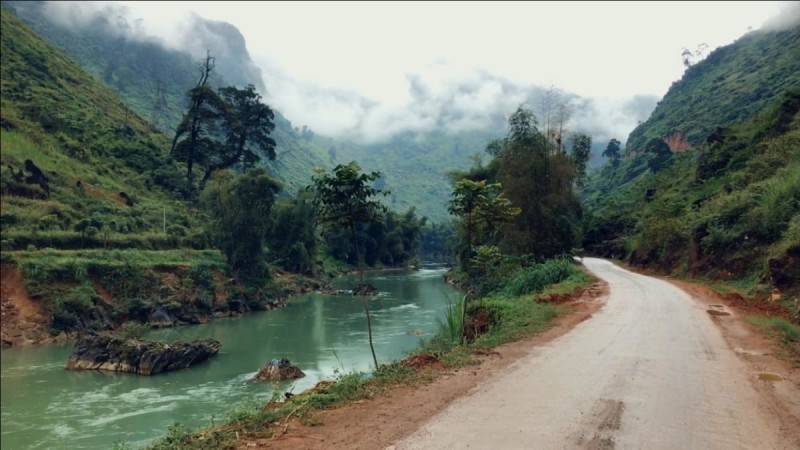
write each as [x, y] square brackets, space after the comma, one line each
[22, 319]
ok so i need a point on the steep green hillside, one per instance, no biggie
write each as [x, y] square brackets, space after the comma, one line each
[152, 79]
[98, 159]
[731, 85]
[729, 210]
[90, 213]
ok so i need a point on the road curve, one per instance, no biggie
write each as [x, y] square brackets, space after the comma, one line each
[649, 371]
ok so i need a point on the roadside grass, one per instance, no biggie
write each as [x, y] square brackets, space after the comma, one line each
[787, 333]
[513, 318]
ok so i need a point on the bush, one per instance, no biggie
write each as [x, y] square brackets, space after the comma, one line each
[534, 279]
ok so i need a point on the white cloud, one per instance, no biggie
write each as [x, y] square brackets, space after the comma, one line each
[373, 69]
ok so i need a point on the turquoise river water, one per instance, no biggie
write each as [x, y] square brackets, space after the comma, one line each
[45, 406]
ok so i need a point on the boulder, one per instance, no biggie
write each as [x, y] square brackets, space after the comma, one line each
[279, 370]
[115, 354]
[365, 289]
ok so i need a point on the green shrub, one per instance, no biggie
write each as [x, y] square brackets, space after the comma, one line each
[533, 279]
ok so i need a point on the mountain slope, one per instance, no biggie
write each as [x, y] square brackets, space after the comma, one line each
[731, 85]
[729, 207]
[92, 222]
[96, 156]
[153, 79]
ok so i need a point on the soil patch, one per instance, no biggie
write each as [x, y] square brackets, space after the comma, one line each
[423, 362]
[23, 319]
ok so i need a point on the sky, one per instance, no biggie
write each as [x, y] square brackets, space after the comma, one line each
[376, 68]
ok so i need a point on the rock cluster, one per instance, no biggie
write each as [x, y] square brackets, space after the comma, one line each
[114, 354]
[279, 370]
[365, 289]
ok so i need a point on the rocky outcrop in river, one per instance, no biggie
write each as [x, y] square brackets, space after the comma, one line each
[365, 289]
[279, 370]
[114, 354]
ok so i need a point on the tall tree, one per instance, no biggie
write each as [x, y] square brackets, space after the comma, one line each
[581, 150]
[540, 182]
[346, 198]
[612, 151]
[247, 126]
[193, 140]
[466, 199]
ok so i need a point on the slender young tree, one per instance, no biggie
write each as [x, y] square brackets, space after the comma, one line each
[581, 150]
[346, 198]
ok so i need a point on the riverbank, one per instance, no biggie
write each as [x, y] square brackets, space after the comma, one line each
[53, 303]
[45, 406]
[408, 390]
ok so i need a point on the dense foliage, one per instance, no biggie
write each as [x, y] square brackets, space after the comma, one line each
[729, 209]
[239, 213]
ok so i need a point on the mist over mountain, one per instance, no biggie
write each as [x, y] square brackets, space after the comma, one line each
[448, 114]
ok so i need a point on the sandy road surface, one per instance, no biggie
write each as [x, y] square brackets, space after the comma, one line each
[649, 371]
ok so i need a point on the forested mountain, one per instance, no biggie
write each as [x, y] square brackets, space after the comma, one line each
[415, 166]
[710, 184]
[153, 79]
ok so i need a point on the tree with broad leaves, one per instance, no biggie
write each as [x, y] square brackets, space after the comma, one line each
[346, 198]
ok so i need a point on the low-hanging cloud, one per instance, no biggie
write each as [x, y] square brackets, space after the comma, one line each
[437, 97]
[449, 99]
[789, 17]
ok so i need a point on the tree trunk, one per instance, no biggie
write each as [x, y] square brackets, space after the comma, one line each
[365, 299]
[469, 281]
[369, 331]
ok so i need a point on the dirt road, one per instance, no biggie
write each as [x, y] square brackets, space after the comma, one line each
[649, 371]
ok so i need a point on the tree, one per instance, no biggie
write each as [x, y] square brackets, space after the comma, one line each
[239, 211]
[193, 140]
[494, 210]
[659, 153]
[539, 181]
[292, 238]
[581, 150]
[346, 198]
[467, 197]
[483, 207]
[247, 126]
[612, 151]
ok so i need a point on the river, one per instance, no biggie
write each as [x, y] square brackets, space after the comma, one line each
[45, 406]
